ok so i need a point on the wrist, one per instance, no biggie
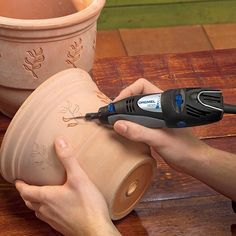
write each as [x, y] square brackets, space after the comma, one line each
[107, 229]
[197, 158]
[181, 149]
[99, 228]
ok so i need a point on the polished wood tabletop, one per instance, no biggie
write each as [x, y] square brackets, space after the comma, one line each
[175, 204]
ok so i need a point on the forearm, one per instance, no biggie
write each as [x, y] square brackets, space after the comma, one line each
[214, 167]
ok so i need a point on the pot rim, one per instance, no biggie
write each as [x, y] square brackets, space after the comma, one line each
[59, 22]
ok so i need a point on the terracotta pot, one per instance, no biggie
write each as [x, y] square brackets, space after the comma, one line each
[40, 38]
[121, 169]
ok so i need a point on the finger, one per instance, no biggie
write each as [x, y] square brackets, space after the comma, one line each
[33, 205]
[66, 155]
[29, 192]
[41, 217]
[138, 133]
[140, 86]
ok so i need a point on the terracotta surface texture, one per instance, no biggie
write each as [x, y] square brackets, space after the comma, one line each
[27, 151]
[38, 9]
[33, 50]
[164, 40]
[81, 4]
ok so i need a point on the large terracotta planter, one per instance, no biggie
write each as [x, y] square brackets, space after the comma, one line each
[39, 38]
[121, 169]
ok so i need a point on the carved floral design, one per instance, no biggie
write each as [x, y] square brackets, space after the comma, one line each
[94, 44]
[74, 53]
[71, 110]
[34, 61]
[102, 97]
[94, 41]
[40, 155]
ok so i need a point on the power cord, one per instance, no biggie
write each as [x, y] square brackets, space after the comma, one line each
[229, 108]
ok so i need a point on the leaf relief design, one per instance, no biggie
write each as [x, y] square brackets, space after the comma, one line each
[34, 61]
[74, 53]
[103, 98]
[40, 155]
[95, 40]
[70, 111]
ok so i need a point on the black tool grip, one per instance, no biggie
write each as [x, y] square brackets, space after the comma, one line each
[188, 107]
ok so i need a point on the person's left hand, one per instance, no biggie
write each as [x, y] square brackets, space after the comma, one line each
[74, 208]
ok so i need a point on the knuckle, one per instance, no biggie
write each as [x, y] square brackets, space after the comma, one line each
[41, 211]
[39, 215]
[73, 182]
[65, 153]
[73, 177]
[142, 81]
[28, 204]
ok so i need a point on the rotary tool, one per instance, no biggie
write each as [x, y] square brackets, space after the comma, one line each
[174, 108]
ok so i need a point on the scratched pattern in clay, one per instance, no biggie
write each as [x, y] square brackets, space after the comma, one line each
[74, 53]
[40, 156]
[94, 40]
[103, 98]
[34, 61]
[71, 110]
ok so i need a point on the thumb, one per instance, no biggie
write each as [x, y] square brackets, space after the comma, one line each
[138, 133]
[65, 154]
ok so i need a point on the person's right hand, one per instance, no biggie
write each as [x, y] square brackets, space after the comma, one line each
[175, 146]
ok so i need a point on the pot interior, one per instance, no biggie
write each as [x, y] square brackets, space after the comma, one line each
[39, 9]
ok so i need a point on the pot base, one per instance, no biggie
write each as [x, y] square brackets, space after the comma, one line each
[132, 189]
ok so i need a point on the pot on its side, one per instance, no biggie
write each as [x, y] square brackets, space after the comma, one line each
[121, 169]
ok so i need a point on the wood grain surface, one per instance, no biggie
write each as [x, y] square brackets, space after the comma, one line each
[175, 204]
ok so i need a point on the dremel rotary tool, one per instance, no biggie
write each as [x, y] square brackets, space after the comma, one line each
[174, 108]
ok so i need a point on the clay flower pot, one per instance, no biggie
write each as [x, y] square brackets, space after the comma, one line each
[122, 170]
[40, 38]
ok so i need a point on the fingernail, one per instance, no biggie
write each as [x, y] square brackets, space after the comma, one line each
[61, 143]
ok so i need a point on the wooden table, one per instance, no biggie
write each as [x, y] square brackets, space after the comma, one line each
[175, 204]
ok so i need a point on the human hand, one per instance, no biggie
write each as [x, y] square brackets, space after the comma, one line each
[175, 146]
[74, 208]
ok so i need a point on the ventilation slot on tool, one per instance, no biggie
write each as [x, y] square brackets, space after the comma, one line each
[210, 98]
[130, 105]
[192, 111]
